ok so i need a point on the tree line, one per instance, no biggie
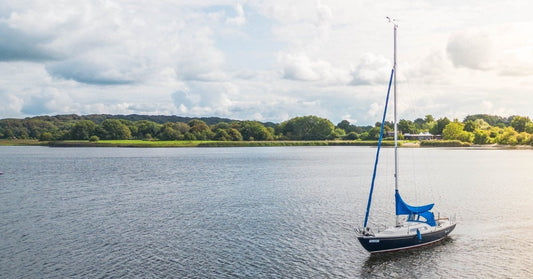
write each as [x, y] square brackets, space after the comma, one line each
[478, 129]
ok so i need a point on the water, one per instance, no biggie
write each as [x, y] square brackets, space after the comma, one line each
[270, 212]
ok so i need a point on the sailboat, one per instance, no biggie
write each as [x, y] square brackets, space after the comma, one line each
[415, 226]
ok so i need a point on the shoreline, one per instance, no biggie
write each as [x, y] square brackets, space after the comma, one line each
[163, 144]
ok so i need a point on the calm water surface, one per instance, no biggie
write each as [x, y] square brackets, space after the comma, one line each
[271, 212]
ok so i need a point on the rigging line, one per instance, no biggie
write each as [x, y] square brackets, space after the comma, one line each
[377, 153]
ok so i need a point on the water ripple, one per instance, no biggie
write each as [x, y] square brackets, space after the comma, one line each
[246, 213]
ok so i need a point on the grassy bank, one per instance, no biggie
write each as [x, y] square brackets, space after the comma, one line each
[142, 143]
[19, 142]
[155, 144]
[444, 143]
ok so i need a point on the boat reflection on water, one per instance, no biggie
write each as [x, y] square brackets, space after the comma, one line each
[399, 263]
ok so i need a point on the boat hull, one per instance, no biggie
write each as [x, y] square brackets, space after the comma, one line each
[381, 244]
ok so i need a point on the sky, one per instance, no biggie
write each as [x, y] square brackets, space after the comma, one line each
[265, 60]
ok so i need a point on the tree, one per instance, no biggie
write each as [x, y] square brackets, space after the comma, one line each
[481, 124]
[351, 136]
[509, 136]
[338, 133]
[419, 123]
[523, 138]
[470, 126]
[406, 127]
[373, 134]
[234, 134]
[465, 136]
[221, 134]
[452, 131]
[254, 130]
[519, 123]
[168, 132]
[438, 128]
[146, 129]
[307, 128]
[46, 136]
[83, 130]
[493, 120]
[200, 130]
[345, 125]
[481, 137]
[114, 129]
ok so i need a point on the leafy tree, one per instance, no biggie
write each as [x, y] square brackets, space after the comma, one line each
[481, 137]
[82, 130]
[307, 128]
[221, 134]
[46, 136]
[168, 132]
[338, 133]
[509, 136]
[523, 138]
[146, 129]
[481, 124]
[373, 134]
[220, 125]
[529, 128]
[519, 123]
[406, 127]
[465, 136]
[181, 127]
[470, 126]
[234, 134]
[493, 120]
[200, 130]
[345, 125]
[114, 129]
[419, 123]
[438, 128]
[254, 130]
[351, 136]
[452, 131]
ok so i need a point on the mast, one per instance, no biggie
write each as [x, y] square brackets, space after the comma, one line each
[393, 75]
[395, 65]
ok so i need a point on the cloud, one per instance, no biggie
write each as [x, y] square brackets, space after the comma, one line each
[239, 19]
[205, 98]
[98, 71]
[19, 46]
[372, 69]
[470, 49]
[324, 19]
[300, 67]
[108, 44]
[267, 60]
[46, 101]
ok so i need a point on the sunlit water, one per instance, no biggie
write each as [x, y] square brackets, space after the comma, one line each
[270, 212]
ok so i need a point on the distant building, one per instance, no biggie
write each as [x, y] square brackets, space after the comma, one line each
[421, 136]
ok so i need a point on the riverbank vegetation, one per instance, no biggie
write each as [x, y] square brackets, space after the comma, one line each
[153, 131]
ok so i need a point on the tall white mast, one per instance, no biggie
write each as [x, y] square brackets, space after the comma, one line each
[395, 65]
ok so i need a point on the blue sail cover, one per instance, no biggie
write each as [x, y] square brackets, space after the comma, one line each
[403, 208]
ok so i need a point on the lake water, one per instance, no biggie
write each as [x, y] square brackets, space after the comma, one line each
[267, 212]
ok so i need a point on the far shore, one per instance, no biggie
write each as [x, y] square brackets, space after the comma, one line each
[144, 143]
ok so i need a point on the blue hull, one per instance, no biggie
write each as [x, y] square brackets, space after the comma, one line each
[375, 244]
